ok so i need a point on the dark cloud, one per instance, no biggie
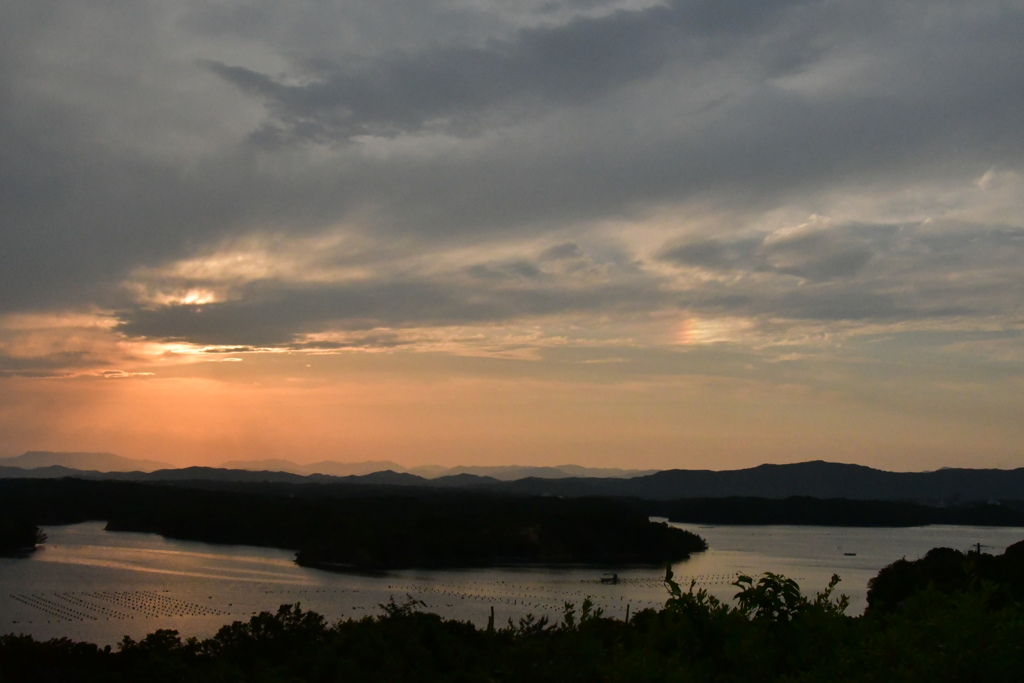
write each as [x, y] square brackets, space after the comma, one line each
[128, 144]
[714, 254]
[515, 270]
[230, 349]
[50, 365]
[566, 250]
[826, 254]
[860, 272]
[373, 340]
[823, 273]
[277, 313]
[817, 254]
[452, 89]
[831, 304]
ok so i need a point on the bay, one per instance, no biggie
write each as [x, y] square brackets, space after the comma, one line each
[90, 584]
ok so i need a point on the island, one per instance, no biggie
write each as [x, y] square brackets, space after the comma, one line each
[366, 529]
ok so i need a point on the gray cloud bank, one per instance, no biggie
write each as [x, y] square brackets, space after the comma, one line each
[454, 88]
[854, 272]
[134, 141]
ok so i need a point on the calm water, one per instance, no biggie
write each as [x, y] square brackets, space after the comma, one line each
[89, 584]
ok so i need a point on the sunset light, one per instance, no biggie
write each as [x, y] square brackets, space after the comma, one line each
[719, 242]
[547, 340]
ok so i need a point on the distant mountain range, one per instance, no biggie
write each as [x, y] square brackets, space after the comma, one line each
[816, 479]
[99, 462]
[501, 472]
[108, 462]
[329, 467]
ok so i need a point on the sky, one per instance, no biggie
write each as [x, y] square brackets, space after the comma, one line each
[697, 234]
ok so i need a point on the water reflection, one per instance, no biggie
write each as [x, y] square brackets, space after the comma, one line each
[96, 585]
[176, 562]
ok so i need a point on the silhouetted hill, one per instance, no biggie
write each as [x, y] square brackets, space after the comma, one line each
[52, 472]
[267, 465]
[389, 477]
[830, 480]
[216, 474]
[816, 479]
[463, 481]
[99, 462]
[495, 472]
[516, 472]
[602, 472]
[329, 467]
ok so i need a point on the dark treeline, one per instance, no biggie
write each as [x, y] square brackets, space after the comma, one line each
[835, 512]
[379, 527]
[367, 530]
[18, 534]
[937, 630]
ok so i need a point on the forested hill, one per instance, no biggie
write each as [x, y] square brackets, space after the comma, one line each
[364, 528]
[816, 479]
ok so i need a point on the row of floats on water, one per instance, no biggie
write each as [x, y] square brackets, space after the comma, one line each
[84, 606]
[112, 605]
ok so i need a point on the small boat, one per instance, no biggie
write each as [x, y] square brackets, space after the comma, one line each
[850, 554]
[610, 578]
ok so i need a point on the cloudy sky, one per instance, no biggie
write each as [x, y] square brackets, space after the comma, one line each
[692, 233]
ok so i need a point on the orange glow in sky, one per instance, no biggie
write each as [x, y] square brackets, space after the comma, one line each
[469, 233]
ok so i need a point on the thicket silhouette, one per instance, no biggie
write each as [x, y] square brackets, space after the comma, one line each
[949, 571]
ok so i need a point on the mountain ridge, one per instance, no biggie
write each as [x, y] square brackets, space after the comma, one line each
[817, 479]
[499, 472]
[82, 460]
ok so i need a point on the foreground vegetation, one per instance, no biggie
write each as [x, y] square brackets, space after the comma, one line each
[937, 631]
